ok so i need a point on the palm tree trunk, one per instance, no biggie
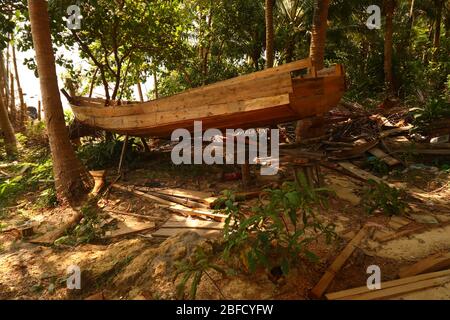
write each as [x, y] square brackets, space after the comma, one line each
[319, 33]
[7, 128]
[389, 6]
[317, 55]
[71, 178]
[12, 104]
[437, 29]
[3, 80]
[269, 34]
[23, 108]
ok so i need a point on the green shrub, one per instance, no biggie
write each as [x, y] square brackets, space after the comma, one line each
[98, 155]
[389, 200]
[279, 230]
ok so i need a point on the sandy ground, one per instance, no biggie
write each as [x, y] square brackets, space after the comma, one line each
[141, 267]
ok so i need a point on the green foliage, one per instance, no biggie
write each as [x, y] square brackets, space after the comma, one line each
[279, 229]
[381, 197]
[378, 166]
[102, 154]
[47, 198]
[10, 188]
[435, 109]
[193, 269]
[87, 231]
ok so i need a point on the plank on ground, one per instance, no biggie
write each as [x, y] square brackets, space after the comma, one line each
[346, 294]
[338, 263]
[431, 264]
[399, 290]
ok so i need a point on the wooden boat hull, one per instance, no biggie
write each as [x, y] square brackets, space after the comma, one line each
[260, 99]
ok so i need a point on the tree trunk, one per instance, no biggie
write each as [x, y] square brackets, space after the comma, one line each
[4, 80]
[23, 109]
[269, 34]
[317, 54]
[7, 128]
[155, 80]
[389, 6]
[437, 28]
[12, 103]
[319, 33]
[91, 89]
[71, 178]
[141, 96]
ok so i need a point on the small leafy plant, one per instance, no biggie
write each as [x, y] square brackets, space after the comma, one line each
[194, 269]
[389, 200]
[279, 229]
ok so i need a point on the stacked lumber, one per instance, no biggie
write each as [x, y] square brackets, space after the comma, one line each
[395, 288]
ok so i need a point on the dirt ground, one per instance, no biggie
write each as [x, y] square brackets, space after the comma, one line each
[140, 266]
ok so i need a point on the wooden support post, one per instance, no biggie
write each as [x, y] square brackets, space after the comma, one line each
[245, 168]
[122, 155]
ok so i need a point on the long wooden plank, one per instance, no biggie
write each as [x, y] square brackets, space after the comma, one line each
[273, 86]
[401, 290]
[337, 264]
[157, 118]
[340, 295]
[359, 172]
[197, 212]
[144, 195]
[173, 206]
[434, 263]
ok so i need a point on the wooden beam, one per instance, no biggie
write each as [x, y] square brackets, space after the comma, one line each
[434, 263]
[362, 291]
[338, 263]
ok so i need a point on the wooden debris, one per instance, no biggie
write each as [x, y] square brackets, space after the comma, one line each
[398, 222]
[356, 152]
[393, 288]
[139, 216]
[173, 206]
[338, 263]
[177, 225]
[380, 154]
[199, 196]
[128, 227]
[403, 233]
[434, 263]
[391, 132]
[197, 212]
[364, 175]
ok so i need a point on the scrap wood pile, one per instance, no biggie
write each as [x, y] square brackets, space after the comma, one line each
[425, 274]
[192, 210]
[355, 136]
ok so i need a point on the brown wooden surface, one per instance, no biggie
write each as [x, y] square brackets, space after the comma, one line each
[363, 291]
[259, 99]
[329, 275]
